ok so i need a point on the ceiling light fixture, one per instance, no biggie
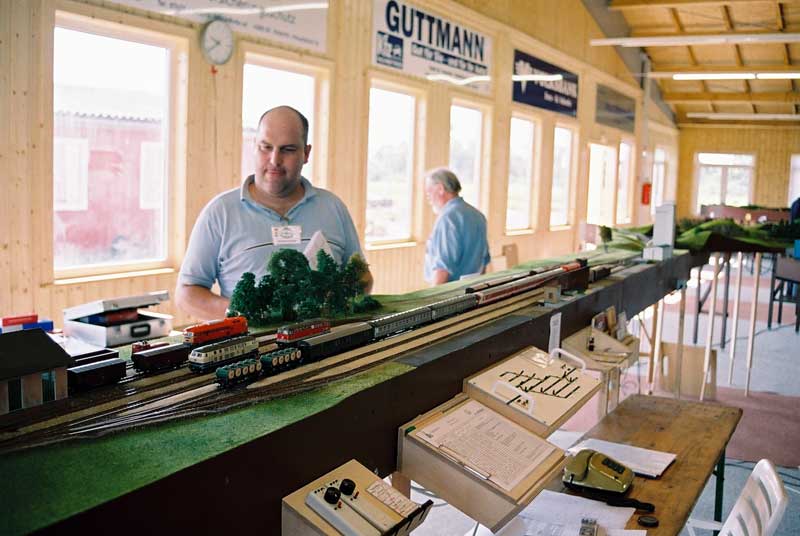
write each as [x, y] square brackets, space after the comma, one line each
[695, 40]
[743, 117]
[714, 76]
[778, 76]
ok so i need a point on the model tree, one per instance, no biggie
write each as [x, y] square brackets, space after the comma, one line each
[291, 290]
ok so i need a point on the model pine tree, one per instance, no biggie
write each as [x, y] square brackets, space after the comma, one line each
[291, 290]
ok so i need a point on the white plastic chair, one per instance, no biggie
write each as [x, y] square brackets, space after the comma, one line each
[758, 510]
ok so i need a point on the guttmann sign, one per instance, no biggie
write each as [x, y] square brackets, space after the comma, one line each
[423, 44]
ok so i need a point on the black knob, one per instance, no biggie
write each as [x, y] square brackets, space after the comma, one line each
[347, 487]
[332, 495]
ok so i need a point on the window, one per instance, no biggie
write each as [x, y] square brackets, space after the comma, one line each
[624, 183]
[723, 179]
[520, 174]
[114, 104]
[562, 177]
[267, 87]
[659, 174]
[48, 386]
[14, 394]
[390, 165]
[466, 131]
[600, 205]
[794, 179]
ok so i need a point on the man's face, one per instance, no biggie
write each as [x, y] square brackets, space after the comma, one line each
[280, 153]
[433, 194]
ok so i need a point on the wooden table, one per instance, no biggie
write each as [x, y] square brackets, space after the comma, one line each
[697, 432]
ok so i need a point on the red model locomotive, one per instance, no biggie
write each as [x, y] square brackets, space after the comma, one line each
[301, 330]
[215, 330]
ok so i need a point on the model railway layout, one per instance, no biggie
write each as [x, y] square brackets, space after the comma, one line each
[227, 365]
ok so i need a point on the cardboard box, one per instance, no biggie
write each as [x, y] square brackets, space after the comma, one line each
[555, 389]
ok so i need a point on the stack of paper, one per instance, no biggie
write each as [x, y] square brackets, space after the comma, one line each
[644, 462]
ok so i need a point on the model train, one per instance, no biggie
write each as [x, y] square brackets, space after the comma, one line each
[215, 330]
[347, 337]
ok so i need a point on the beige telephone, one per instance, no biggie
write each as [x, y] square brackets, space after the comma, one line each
[593, 470]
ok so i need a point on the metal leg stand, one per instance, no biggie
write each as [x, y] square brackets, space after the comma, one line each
[724, 326]
[719, 473]
[735, 327]
[699, 303]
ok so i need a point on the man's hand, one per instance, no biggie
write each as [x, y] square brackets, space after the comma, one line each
[440, 277]
[200, 302]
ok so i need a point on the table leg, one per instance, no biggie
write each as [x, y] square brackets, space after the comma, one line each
[753, 310]
[679, 351]
[699, 303]
[657, 338]
[735, 328]
[719, 490]
[651, 363]
[727, 262]
[712, 314]
[771, 292]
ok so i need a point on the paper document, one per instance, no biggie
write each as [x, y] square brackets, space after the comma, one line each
[644, 462]
[484, 441]
[554, 514]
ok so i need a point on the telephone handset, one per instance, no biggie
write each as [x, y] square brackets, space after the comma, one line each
[593, 470]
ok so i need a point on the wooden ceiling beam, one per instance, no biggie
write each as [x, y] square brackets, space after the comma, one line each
[647, 4]
[788, 97]
[726, 16]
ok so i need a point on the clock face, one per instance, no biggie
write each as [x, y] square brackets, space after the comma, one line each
[216, 42]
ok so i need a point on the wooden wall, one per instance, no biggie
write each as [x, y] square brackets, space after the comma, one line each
[772, 147]
[555, 31]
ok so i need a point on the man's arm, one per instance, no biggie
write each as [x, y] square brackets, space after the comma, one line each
[440, 277]
[200, 302]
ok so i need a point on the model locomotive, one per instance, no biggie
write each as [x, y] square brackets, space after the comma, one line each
[344, 338]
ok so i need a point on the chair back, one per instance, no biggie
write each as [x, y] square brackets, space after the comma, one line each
[760, 507]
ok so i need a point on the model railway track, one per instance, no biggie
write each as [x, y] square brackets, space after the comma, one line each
[306, 377]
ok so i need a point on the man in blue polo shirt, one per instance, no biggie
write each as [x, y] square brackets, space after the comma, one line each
[458, 246]
[238, 230]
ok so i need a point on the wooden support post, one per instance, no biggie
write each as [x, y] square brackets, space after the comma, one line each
[722, 332]
[735, 327]
[679, 351]
[753, 310]
[652, 361]
[712, 314]
[657, 344]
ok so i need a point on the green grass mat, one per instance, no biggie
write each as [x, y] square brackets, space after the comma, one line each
[44, 485]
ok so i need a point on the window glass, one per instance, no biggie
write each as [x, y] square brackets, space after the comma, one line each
[659, 175]
[48, 386]
[390, 165]
[600, 205]
[562, 176]
[111, 102]
[623, 183]
[14, 394]
[264, 88]
[520, 174]
[724, 179]
[466, 126]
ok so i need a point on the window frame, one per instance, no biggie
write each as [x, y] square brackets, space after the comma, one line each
[317, 68]
[793, 170]
[534, 181]
[107, 23]
[484, 158]
[631, 183]
[384, 83]
[573, 172]
[724, 178]
[613, 146]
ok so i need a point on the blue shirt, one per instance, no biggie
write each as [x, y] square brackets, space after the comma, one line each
[233, 222]
[458, 242]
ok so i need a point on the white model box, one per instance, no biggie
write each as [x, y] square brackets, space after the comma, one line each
[94, 322]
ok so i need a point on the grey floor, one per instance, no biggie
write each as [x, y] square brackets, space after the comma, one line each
[776, 368]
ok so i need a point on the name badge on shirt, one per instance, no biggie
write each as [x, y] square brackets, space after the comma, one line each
[286, 234]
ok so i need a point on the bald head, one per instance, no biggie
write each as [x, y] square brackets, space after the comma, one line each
[288, 110]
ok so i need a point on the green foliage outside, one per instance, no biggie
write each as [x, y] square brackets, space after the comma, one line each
[291, 290]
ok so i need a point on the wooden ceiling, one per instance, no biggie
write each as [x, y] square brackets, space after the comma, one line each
[699, 17]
